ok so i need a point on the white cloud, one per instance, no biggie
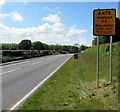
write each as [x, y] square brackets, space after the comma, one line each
[2, 2]
[46, 33]
[73, 32]
[84, 41]
[50, 34]
[14, 16]
[58, 27]
[52, 18]
[60, 12]
[55, 33]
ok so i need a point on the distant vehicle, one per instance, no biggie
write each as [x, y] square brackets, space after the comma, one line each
[63, 52]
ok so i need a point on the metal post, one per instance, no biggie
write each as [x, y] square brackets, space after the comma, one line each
[110, 58]
[97, 72]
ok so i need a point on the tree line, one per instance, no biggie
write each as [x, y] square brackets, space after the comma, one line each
[28, 45]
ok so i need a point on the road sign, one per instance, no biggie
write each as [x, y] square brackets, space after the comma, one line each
[104, 22]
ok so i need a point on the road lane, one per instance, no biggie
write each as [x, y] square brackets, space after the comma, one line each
[16, 84]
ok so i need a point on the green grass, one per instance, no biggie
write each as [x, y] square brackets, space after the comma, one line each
[73, 87]
[10, 58]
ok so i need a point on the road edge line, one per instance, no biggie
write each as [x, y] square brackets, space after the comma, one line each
[36, 88]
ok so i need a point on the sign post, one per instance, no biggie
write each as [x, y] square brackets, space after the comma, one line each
[97, 73]
[103, 25]
[110, 58]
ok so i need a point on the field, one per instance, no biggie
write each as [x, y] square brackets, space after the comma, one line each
[73, 87]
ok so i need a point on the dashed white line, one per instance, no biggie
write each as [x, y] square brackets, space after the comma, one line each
[10, 71]
[20, 62]
[36, 63]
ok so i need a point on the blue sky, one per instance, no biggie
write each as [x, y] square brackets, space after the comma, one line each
[50, 22]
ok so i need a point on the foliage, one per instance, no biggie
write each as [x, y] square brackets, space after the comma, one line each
[116, 38]
[5, 46]
[9, 58]
[25, 44]
[12, 55]
[27, 49]
[65, 48]
[82, 47]
[94, 42]
[102, 40]
[38, 45]
[14, 47]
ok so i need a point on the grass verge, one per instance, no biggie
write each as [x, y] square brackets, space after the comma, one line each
[73, 86]
[10, 58]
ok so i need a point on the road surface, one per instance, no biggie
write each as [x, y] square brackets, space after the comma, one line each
[18, 79]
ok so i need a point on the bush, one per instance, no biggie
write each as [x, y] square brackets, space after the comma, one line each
[10, 55]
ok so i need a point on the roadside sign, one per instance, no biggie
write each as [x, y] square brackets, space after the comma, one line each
[104, 22]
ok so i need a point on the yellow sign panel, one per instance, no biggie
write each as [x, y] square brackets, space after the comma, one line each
[104, 22]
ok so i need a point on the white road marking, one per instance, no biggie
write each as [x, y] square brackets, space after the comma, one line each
[10, 71]
[21, 62]
[25, 61]
[35, 88]
[36, 63]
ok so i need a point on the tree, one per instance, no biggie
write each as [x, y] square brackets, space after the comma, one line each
[46, 47]
[94, 42]
[76, 49]
[102, 40]
[65, 48]
[38, 45]
[116, 38]
[25, 44]
[57, 47]
[14, 47]
[52, 47]
[6, 46]
[82, 47]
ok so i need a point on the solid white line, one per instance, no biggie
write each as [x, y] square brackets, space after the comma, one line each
[34, 89]
[10, 71]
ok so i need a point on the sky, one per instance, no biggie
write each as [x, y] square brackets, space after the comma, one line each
[64, 23]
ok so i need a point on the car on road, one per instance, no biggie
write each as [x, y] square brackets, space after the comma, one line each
[63, 52]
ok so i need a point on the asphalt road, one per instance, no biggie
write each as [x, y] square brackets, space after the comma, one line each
[18, 79]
